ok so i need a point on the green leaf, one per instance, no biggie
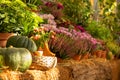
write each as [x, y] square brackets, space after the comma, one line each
[2, 16]
[6, 20]
[12, 20]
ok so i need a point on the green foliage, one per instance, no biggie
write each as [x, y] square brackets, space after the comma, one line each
[10, 14]
[118, 10]
[99, 31]
[77, 11]
[108, 15]
[34, 2]
[107, 26]
[113, 47]
[15, 16]
[30, 21]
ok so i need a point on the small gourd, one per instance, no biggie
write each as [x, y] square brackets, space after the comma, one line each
[22, 42]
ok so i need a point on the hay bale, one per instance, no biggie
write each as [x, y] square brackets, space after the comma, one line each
[52, 74]
[3, 76]
[115, 64]
[65, 73]
[33, 75]
[9, 75]
[91, 69]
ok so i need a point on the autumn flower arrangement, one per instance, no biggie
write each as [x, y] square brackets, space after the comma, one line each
[40, 36]
[68, 43]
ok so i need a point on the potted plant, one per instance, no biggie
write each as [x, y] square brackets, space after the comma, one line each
[16, 17]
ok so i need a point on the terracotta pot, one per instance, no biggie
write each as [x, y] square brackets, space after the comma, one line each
[3, 38]
[100, 53]
[77, 57]
[59, 60]
[104, 54]
[86, 55]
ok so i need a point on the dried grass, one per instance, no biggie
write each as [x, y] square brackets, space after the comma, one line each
[92, 69]
[51, 74]
[9, 75]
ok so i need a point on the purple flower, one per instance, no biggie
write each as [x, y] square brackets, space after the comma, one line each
[48, 4]
[80, 28]
[60, 6]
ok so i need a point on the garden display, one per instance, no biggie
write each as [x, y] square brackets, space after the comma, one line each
[60, 40]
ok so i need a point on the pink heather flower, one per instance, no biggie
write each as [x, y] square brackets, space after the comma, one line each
[47, 16]
[60, 6]
[94, 41]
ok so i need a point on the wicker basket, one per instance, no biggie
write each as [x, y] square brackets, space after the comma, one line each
[43, 62]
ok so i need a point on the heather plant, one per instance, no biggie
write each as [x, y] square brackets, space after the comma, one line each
[68, 42]
[49, 20]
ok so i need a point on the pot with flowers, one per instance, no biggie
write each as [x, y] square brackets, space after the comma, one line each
[72, 44]
[43, 58]
[41, 38]
[15, 17]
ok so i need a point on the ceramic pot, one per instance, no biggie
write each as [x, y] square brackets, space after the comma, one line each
[3, 38]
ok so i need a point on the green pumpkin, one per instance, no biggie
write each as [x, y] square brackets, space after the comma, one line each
[18, 59]
[21, 42]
